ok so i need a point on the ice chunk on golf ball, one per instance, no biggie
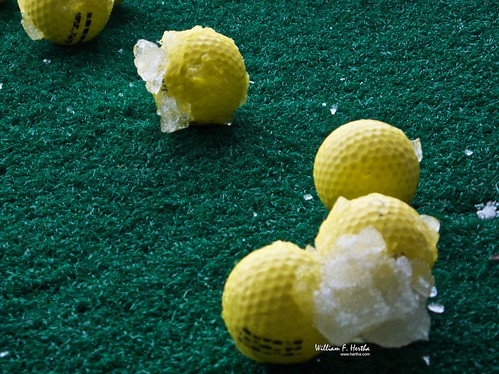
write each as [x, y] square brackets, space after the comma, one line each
[363, 292]
[150, 61]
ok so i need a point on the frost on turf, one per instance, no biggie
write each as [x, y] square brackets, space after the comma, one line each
[151, 62]
[365, 293]
[487, 211]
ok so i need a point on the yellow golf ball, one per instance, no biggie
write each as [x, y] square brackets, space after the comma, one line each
[205, 74]
[197, 76]
[405, 232]
[261, 311]
[67, 22]
[366, 156]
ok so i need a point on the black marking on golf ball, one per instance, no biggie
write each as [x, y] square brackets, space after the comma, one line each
[271, 347]
[76, 26]
[86, 30]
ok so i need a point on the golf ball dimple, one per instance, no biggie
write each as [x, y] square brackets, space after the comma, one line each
[261, 311]
[68, 22]
[366, 156]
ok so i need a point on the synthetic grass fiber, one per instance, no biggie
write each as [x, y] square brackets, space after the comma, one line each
[116, 239]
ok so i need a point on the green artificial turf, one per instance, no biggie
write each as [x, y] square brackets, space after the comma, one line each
[116, 239]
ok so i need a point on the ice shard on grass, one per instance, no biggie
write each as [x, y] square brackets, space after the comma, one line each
[418, 148]
[434, 291]
[487, 211]
[436, 308]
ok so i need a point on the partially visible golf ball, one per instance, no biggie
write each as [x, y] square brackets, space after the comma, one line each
[262, 313]
[366, 156]
[66, 22]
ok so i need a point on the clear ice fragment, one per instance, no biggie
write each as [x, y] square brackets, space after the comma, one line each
[333, 109]
[308, 197]
[150, 61]
[172, 118]
[416, 143]
[436, 308]
[468, 152]
[4, 354]
[433, 291]
[1, 86]
[46, 61]
[426, 360]
[432, 222]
